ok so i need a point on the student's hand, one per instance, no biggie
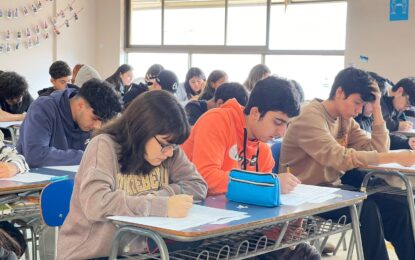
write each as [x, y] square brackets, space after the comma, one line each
[8, 170]
[195, 97]
[411, 142]
[179, 205]
[288, 182]
[405, 158]
[405, 125]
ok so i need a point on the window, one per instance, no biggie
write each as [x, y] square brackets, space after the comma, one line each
[304, 41]
[237, 66]
[314, 73]
[176, 62]
[320, 26]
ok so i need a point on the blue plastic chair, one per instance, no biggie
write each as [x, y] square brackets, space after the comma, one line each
[276, 149]
[54, 202]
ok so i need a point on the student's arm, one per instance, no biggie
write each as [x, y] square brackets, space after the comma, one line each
[316, 140]
[98, 194]
[378, 140]
[37, 132]
[5, 116]
[184, 178]
[11, 163]
[404, 158]
[209, 150]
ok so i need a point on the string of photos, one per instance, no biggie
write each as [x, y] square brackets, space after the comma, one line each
[31, 36]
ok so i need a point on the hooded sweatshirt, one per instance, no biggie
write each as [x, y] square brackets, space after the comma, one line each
[101, 190]
[49, 136]
[216, 146]
[84, 74]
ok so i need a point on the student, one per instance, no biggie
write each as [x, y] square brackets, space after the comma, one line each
[235, 137]
[122, 79]
[257, 73]
[215, 79]
[60, 75]
[402, 97]
[11, 163]
[192, 87]
[196, 108]
[14, 95]
[365, 119]
[57, 127]
[324, 141]
[132, 167]
[165, 80]
[82, 73]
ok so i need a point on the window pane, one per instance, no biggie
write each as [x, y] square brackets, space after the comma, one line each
[176, 62]
[314, 73]
[317, 26]
[197, 25]
[145, 27]
[247, 23]
[237, 66]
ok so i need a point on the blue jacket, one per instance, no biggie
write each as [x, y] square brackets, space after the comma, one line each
[49, 136]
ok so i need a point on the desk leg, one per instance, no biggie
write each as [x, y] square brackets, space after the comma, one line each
[164, 253]
[356, 232]
[411, 205]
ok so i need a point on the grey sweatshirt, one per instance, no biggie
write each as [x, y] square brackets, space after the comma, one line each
[100, 190]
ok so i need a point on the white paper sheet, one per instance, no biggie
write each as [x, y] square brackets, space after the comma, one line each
[69, 168]
[396, 166]
[198, 215]
[307, 193]
[29, 177]
[9, 123]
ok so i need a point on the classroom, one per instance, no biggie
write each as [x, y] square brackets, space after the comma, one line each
[207, 129]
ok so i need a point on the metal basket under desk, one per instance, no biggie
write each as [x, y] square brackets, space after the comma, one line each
[254, 242]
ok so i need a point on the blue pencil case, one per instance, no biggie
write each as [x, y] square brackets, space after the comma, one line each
[262, 189]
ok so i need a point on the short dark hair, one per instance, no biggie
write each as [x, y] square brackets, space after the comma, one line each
[274, 94]
[382, 82]
[12, 85]
[101, 97]
[408, 85]
[354, 81]
[153, 71]
[230, 90]
[152, 113]
[59, 69]
[299, 89]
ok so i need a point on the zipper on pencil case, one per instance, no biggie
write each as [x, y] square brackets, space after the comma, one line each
[274, 175]
[252, 182]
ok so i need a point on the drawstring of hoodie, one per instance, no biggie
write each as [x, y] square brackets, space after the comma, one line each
[257, 152]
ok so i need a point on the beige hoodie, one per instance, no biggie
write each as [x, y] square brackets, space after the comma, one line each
[320, 149]
[101, 191]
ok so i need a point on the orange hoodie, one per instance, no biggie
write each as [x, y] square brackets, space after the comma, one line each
[216, 142]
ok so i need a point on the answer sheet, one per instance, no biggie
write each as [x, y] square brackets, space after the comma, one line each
[198, 215]
[308, 193]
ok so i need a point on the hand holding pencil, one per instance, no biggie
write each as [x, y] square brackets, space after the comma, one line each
[288, 181]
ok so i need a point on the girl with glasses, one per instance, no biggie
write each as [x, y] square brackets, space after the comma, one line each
[132, 167]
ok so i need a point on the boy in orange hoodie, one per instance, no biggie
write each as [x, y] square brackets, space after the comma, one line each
[235, 137]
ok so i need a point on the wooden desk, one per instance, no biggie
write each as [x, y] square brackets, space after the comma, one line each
[400, 172]
[260, 219]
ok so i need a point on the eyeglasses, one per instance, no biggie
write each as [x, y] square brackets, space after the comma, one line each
[167, 147]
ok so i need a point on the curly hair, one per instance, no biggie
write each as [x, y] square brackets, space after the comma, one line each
[101, 97]
[12, 85]
[59, 69]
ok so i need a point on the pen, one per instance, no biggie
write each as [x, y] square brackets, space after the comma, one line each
[59, 178]
[288, 168]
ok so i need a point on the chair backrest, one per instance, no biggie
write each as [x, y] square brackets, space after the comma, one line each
[54, 202]
[276, 149]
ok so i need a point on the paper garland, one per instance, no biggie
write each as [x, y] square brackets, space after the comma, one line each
[14, 40]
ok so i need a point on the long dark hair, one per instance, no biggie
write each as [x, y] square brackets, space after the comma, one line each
[115, 78]
[152, 113]
[209, 91]
[193, 72]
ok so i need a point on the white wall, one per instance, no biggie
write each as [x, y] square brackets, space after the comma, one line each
[389, 45]
[76, 44]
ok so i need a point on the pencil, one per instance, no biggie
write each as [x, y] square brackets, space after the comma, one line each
[288, 168]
